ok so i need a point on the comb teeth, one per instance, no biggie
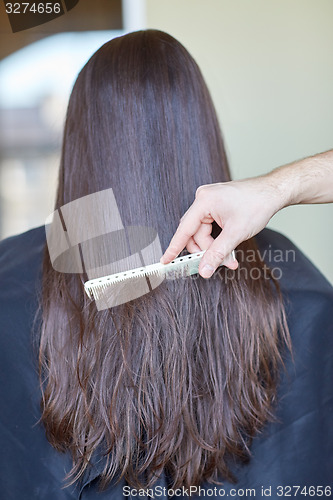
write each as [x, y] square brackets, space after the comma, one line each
[178, 268]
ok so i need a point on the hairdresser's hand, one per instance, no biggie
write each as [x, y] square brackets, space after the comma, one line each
[240, 208]
[243, 208]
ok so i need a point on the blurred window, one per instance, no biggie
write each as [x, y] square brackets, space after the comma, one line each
[35, 84]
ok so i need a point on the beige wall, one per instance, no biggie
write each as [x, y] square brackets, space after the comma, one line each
[269, 66]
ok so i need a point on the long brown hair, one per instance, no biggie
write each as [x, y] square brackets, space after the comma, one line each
[182, 378]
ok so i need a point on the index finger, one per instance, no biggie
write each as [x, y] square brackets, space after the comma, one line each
[187, 227]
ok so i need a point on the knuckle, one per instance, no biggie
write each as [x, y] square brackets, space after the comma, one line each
[182, 232]
[200, 190]
[217, 256]
[187, 234]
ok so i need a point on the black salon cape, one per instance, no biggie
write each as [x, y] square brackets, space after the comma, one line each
[295, 451]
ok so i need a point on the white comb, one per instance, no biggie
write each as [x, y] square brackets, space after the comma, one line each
[178, 268]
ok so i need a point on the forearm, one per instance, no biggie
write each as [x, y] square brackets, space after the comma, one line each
[305, 181]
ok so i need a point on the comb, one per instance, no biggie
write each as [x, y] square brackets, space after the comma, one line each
[181, 267]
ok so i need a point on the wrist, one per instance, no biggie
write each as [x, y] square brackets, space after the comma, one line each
[285, 187]
[281, 192]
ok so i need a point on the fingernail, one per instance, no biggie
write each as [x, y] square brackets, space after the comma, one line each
[207, 271]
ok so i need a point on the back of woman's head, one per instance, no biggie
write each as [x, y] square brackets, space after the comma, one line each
[140, 120]
[182, 378]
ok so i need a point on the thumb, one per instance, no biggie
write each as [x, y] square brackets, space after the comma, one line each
[219, 251]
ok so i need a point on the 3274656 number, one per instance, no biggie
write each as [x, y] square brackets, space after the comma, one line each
[35, 8]
[311, 491]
